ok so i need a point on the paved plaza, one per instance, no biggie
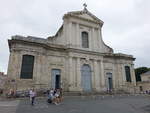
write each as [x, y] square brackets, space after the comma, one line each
[82, 104]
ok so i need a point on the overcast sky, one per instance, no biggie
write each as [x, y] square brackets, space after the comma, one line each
[126, 23]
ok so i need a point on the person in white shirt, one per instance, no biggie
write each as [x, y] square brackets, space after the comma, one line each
[32, 96]
[30, 92]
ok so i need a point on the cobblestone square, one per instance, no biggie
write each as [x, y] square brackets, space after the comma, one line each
[82, 104]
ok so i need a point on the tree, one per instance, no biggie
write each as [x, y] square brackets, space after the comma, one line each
[139, 71]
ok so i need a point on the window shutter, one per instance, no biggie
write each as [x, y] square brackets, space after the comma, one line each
[27, 67]
[128, 74]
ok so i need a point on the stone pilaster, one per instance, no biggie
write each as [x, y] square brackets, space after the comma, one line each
[93, 40]
[70, 33]
[37, 72]
[133, 75]
[99, 40]
[70, 75]
[78, 39]
[114, 76]
[119, 75]
[96, 76]
[79, 74]
[90, 40]
[102, 77]
[123, 75]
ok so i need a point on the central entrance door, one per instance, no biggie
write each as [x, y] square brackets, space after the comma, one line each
[56, 78]
[86, 78]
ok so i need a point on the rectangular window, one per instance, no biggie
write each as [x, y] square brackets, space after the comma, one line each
[85, 41]
[27, 67]
[128, 74]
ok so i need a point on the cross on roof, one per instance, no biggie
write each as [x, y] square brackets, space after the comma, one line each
[84, 5]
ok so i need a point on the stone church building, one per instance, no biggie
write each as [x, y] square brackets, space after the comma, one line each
[75, 59]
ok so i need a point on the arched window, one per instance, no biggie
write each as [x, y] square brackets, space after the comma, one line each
[85, 40]
[128, 74]
[27, 67]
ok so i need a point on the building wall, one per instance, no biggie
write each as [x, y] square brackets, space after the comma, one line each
[70, 64]
[3, 79]
[144, 85]
[145, 78]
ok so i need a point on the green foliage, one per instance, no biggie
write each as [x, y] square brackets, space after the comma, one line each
[139, 71]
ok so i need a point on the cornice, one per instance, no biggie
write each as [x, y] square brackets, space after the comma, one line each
[62, 48]
[119, 56]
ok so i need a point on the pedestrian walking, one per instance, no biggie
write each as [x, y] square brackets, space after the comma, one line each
[30, 92]
[61, 94]
[32, 96]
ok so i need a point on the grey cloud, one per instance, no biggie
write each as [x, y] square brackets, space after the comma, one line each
[126, 23]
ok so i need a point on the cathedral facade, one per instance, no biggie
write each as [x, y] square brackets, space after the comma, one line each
[75, 59]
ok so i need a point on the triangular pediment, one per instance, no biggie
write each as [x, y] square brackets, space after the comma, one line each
[84, 14]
